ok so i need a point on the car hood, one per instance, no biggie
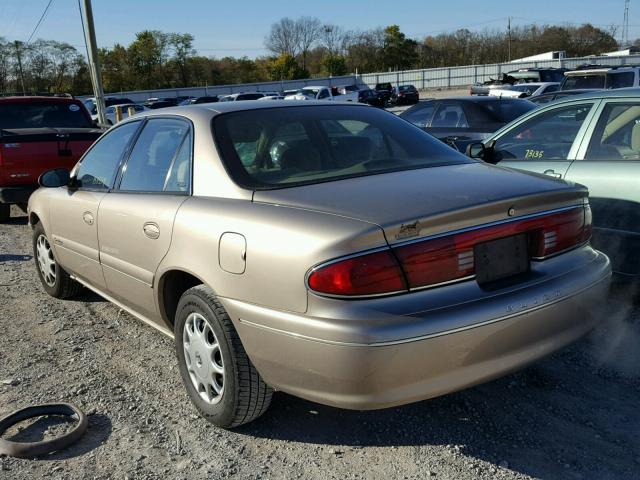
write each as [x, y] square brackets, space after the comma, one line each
[429, 201]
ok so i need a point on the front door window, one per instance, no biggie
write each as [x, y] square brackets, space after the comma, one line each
[548, 136]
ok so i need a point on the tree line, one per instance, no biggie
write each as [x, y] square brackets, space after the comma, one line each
[298, 48]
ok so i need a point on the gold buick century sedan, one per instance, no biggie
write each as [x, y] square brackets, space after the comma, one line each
[331, 251]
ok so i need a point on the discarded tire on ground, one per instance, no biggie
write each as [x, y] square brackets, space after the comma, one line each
[35, 449]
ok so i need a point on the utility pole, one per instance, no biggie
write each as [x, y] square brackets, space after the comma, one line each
[625, 25]
[18, 46]
[94, 63]
[509, 37]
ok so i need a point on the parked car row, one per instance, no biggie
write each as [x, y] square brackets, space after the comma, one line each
[383, 95]
[521, 83]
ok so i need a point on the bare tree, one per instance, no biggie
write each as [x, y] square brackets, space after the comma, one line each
[309, 30]
[333, 38]
[283, 37]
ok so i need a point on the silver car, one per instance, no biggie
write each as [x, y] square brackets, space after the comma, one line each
[331, 251]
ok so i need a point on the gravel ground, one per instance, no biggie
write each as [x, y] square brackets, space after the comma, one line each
[572, 416]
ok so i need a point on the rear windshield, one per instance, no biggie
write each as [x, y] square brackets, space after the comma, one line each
[507, 110]
[271, 148]
[43, 114]
[574, 82]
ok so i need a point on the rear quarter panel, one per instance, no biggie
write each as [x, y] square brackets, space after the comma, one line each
[282, 244]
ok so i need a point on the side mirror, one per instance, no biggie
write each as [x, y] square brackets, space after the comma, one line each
[482, 151]
[58, 177]
[475, 150]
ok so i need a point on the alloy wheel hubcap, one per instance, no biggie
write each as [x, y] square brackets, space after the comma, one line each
[46, 262]
[203, 357]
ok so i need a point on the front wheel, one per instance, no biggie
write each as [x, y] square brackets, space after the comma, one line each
[55, 280]
[220, 379]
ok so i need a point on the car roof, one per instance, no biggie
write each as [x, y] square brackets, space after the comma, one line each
[217, 108]
[604, 69]
[474, 99]
[37, 99]
[612, 93]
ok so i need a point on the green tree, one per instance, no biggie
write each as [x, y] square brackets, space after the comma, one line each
[285, 67]
[398, 52]
[334, 65]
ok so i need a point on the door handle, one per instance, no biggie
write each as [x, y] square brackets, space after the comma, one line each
[88, 218]
[151, 230]
[552, 173]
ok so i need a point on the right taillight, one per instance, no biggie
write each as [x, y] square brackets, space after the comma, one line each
[447, 258]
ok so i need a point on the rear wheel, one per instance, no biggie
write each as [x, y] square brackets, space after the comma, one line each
[55, 280]
[220, 379]
[5, 212]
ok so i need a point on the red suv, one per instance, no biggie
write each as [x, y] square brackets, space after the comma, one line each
[38, 134]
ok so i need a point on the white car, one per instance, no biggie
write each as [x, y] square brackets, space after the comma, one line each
[272, 97]
[110, 112]
[347, 93]
[524, 90]
[312, 93]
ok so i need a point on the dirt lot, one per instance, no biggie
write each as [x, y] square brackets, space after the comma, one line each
[575, 415]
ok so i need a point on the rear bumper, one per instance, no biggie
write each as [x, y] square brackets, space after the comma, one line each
[367, 361]
[15, 195]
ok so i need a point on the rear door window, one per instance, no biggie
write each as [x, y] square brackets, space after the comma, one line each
[153, 155]
[620, 80]
[574, 82]
[548, 136]
[617, 134]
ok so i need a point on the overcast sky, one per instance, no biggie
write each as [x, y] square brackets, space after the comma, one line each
[238, 28]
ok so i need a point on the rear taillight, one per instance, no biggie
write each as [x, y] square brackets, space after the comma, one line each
[447, 258]
[370, 274]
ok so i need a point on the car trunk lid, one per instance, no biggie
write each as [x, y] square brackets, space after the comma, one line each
[430, 201]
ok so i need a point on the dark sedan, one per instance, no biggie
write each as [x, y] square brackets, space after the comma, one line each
[198, 100]
[459, 121]
[407, 95]
[371, 97]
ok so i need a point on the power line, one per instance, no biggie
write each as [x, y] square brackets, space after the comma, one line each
[44, 14]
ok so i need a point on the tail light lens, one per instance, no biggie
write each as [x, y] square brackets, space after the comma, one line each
[447, 258]
[371, 274]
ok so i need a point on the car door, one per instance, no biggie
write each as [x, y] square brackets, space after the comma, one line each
[545, 142]
[74, 210]
[609, 164]
[136, 218]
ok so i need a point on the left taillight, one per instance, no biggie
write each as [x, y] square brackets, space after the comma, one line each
[371, 274]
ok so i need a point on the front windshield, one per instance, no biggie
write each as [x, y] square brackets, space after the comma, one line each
[308, 92]
[276, 147]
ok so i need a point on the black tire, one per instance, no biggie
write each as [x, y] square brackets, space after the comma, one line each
[245, 396]
[63, 286]
[5, 212]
